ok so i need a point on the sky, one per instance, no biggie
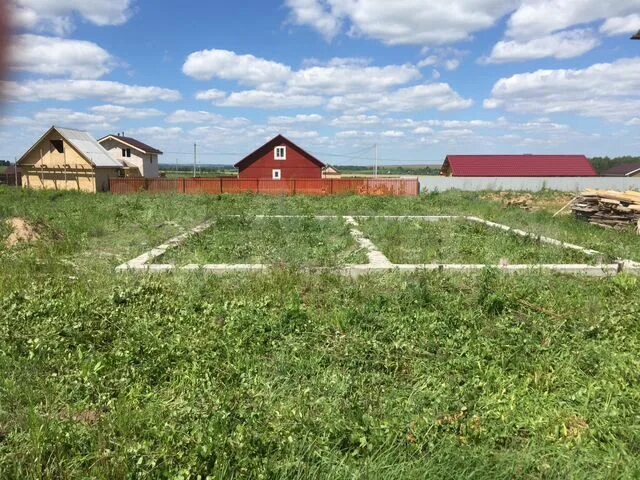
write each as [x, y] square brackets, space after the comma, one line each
[418, 78]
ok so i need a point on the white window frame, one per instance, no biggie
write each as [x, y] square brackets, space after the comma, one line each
[280, 157]
[276, 174]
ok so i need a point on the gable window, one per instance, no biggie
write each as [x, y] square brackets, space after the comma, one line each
[126, 152]
[280, 153]
[58, 145]
[276, 174]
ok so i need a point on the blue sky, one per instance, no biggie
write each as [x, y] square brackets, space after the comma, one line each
[419, 78]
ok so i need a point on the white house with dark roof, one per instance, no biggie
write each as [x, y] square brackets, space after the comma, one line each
[133, 153]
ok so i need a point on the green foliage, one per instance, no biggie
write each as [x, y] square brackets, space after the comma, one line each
[461, 241]
[602, 164]
[297, 242]
[292, 375]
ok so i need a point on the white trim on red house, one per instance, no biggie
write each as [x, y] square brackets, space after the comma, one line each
[280, 153]
[276, 174]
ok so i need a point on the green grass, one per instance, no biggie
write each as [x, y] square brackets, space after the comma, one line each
[296, 242]
[461, 241]
[293, 375]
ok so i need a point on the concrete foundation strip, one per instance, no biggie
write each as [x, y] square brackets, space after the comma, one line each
[378, 262]
[376, 258]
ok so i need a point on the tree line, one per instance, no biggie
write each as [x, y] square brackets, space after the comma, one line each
[602, 164]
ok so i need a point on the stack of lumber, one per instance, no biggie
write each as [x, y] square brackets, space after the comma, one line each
[608, 209]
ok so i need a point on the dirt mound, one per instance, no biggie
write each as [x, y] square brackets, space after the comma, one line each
[22, 232]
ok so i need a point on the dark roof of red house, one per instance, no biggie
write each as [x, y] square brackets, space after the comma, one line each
[520, 166]
[134, 143]
[270, 145]
[622, 170]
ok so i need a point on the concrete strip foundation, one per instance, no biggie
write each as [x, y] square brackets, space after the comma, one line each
[377, 261]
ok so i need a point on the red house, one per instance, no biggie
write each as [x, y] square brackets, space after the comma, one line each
[279, 159]
[517, 166]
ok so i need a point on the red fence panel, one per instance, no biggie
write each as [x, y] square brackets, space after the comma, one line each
[313, 186]
[126, 185]
[276, 187]
[237, 185]
[302, 186]
[354, 186]
[161, 185]
[211, 186]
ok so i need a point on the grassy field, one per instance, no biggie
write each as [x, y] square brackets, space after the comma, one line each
[292, 375]
[460, 241]
[304, 242]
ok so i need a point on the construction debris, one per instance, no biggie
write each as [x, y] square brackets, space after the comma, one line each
[608, 208]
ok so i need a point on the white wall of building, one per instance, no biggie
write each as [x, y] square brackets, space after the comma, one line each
[146, 163]
[527, 184]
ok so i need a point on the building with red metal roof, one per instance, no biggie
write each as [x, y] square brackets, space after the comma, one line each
[517, 166]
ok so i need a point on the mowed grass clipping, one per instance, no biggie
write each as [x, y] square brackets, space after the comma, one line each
[461, 241]
[296, 242]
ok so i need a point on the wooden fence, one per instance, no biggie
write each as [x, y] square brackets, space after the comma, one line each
[11, 179]
[303, 186]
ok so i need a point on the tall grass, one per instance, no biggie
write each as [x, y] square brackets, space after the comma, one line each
[291, 375]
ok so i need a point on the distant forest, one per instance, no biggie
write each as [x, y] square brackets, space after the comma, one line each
[602, 164]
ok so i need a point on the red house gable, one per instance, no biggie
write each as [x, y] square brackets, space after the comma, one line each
[518, 166]
[290, 161]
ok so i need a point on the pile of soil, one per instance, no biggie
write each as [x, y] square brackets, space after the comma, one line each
[22, 232]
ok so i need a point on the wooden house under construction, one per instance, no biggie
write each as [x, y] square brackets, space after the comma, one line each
[67, 159]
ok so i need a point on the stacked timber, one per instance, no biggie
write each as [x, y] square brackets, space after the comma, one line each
[609, 209]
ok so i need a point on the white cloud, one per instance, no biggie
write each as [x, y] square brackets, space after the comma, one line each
[407, 22]
[437, 96]
[447, 57]
[354, 134]
[621, 25]
[316, 13]
[69, 118]
[68, 90]
[57, 15]
[392, 134]
[199, 117]
[57, 56]
[269, 100]
[342, 79]
[117, 112]
[607, 90]
[561, 45]
[227, 65]
[337, 77]
[160, 133]
[300, 118]
[210, 95]
[423, 130]
[535, 18]
[345, 121]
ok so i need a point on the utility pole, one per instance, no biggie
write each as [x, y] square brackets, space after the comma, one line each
[375, 169]
[194, 160]
[15, 170]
